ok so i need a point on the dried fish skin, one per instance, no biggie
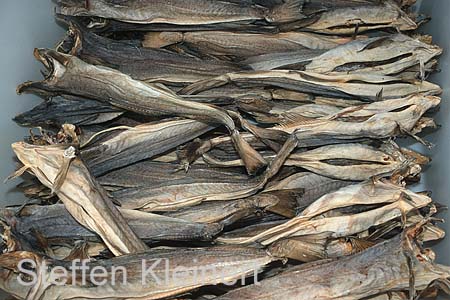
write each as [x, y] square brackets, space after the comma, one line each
[359, 162]
[314, 186]
[220, 265]
[377, 120]
[363, 86]
[379, 54]
[80, 193]
[224, 43]
[149, 65]
[141, 142]
[228, 212]
[175, 195]
[55, 224]
[379, 269]
[68, 110]
[70, 75]
[181, 12]
[348, 162]
[397, 202]
[345, 20]
[386, 55]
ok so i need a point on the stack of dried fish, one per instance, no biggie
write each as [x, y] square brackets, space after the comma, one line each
[199, 146]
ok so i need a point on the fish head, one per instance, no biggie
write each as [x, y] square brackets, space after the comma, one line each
[41, 161]
[56, 66]
[72, 42]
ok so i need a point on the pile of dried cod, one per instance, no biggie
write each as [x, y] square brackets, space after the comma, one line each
[250, 138]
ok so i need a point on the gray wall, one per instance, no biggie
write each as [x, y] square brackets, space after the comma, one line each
[437, 175]
[24, 25]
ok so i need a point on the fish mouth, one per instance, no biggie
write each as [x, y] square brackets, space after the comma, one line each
[55, 66]
[72, 42]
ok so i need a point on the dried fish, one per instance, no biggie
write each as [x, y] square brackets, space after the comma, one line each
[398, 202]
[149, 65]
[60, 169]
[175, 195]
[70, 75]
[362, 86]
[386, 55]
[182, 12]
[382, 268]
[226, 213]
[212, 266]
[56, 225]
[354, 162]
[139, 143]
[357, 17]
[68, 110]
[241, 45]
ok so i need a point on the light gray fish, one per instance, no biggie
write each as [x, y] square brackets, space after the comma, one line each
[70, 75]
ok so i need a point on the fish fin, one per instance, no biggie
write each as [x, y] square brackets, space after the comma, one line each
[17, 173]
[192, 151]
[252, 159]
[359, 245]
[264, 133]
[373, 43]
[288, 11]
[287, 204]
[80, 251]
[379, 95]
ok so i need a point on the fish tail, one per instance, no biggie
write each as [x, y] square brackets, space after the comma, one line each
[252, 159]
[288, 11]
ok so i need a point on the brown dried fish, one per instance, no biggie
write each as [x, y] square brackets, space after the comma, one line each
[60, 170]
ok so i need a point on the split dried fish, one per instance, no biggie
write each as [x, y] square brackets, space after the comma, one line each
[56, 225]
[70, 75]
[220, 265]
[397, 201]
[60, 169]
[182, 12]
[362, 86]
[394, 265]
[387, 55]
[138, 143]
[68, 110]
[241, 45]
[149, 65]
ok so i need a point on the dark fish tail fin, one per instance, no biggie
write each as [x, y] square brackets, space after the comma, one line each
[288, 11]
[252, 159]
